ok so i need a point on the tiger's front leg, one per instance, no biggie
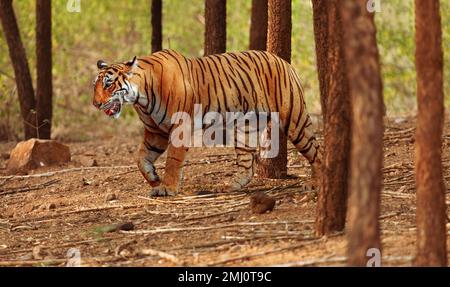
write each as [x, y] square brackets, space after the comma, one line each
[174, 164]
[245, 160]
[152, 147]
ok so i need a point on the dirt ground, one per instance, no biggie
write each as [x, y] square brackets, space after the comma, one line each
[45, 214]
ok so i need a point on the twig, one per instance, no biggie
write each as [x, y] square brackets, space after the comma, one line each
[389, 215]
[397, 194]
[4, 181]
[212, 214]
[53, 247]
[46, 262]
[30, 188]
[202, 228]
[51, 262]
[52, 173]
[95, 209]
[218, 243]
[162, 254]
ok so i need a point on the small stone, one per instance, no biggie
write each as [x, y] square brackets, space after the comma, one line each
[51, 206]
[261, 203]
[86, 182]
[110, 197]
[126, 226]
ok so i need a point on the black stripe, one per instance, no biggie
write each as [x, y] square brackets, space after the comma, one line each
[153, 149]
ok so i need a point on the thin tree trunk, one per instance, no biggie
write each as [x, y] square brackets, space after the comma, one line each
[431, 208]
[332, 197]
[279, 43]
[258, 25]
[363, 71]
[156, 25]
[215, 26]
[320, 20]
[21, 70]
[44, 67]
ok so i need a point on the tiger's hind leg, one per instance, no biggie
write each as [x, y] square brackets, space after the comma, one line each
[306, 143]
[245, 148]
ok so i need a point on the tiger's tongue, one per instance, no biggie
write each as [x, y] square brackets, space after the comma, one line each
[109, 112]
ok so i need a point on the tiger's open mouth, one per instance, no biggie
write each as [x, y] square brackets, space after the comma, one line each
[112, 109]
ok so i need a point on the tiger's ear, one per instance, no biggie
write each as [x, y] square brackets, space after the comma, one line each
[132, 63]
[101, 64]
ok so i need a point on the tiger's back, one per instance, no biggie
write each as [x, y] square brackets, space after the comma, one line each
[236, 82]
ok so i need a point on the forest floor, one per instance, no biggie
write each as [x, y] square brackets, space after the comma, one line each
[44, 215]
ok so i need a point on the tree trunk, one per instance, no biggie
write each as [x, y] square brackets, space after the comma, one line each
[279, 43]
[215, 26]
[21, 70]
[332, 197]
[44, 67]
[320, 20]
[431, 207]
[258, 26]
[156, 25]
[363, 72]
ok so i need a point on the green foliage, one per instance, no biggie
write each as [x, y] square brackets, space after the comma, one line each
[118, 30]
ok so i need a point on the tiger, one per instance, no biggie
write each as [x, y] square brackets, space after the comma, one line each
[166, 82]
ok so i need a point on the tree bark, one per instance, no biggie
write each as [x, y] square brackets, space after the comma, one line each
[258, 25]
[320, 22]
[431, 207]
[44, 87]
[363, 72]
[21, 70]
[215, 26]
[332, 197]
[279, 43]
[156, 25]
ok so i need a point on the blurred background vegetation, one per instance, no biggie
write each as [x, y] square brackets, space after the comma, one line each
[117, 30]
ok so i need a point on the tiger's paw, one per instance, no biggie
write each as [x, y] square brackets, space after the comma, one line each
[161, 190]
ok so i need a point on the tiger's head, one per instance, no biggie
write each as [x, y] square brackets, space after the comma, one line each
[114, 87]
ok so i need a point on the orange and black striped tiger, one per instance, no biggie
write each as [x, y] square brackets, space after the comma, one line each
[166, 82]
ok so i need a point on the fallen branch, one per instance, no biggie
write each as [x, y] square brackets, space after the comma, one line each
[95, 209]
[30, 188]
[53, 247]
[47, 262]
[52, 173]
[202, 228]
